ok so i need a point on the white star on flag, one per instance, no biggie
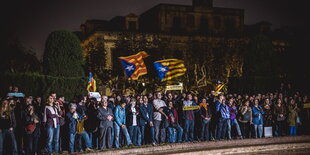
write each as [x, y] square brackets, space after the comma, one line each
[129, 68]
[162, 69]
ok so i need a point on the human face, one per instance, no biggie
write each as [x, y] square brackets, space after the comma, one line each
[50, 100]
[256, 102]
[145, 99]
[170, 96]
[189, 97]
[170, 104]
[158, 95]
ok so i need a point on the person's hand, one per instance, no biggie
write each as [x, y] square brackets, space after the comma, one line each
[35, 121]
[251, 122]
[110, 117]
[11, 129]
[151, 124]
[123, 126]
[166, 117]
[0, 131]
[281, 115]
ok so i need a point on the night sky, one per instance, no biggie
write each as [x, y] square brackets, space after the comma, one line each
[31, 21]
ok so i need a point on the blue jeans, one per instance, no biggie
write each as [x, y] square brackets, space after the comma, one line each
[236, 124]
[221, 128]
[159, 128]
[3, 135]
[292, 130]
[175, 137]
[205, 130]
[142, 128]
[135, 135]
[189, 130]
[53, 139]
[259, 129]
[117, 129]
[72, 139]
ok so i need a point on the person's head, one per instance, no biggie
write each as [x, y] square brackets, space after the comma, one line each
[72, 107]
[104, 103]
[104, 98]
[118, 98]
[246, 103]
[28, 100]
[5, 104]
[15, 89]
[189, 97]
[292, 101]
[50, 100]
[231, 101]
[267, 101]
[221, 97]
[256, 102]
[123, 104]
[140, 100]
[38, 100]
[279, 101]
[170, 104]
[158, 95]
[53, 94]
[203, 100]
[61, 98]
[30, 108]
[133, 102]
[169, 96]
[145, 99]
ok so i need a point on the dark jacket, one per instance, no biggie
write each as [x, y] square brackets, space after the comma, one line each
[7, 121]
[102, 116]
[27, 120]
[129, 118]
[146, 113]
[50, 116]
[173, 118]
[92, 123]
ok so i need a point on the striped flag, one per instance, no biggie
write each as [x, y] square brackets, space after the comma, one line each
[169, 68]
[91, 86]
[218, 87]
[134, 65]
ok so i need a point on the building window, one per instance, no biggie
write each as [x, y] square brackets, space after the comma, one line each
[190, 20]
[132, 25]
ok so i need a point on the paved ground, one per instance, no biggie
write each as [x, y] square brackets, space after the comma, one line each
[276, 145]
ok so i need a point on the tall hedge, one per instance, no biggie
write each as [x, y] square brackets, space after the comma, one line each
[41, 85]
[63, 55]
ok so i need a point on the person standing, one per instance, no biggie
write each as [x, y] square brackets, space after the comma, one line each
[223, 109]
[189, 117]
[52, 113]
[279, 112]
[173, 120]
[159, 118]
[292, 116]
[133, 117]
[146, 120]
[258, 112]
[245, 119]
[7, 126]
[233, 121]
[120, 124]
[31, 123]
[206, 115]
[106, 117]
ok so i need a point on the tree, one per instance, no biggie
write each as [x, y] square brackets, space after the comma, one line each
[63, 55]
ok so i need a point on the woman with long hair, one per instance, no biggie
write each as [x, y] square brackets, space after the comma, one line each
[52, 113]
[7, 126]
[245, 119]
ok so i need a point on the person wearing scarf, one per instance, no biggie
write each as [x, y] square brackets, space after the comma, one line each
[51, 119]
[206, 115]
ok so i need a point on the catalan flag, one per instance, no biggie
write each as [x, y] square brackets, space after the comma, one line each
[91, 86]
[169, 68]
[134, 65]
[218, 86]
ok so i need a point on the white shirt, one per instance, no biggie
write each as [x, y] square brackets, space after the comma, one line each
[158, 103]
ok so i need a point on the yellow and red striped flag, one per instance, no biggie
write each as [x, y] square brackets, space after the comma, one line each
[134, 65]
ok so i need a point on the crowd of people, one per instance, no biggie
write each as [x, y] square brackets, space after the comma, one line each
[31, 125]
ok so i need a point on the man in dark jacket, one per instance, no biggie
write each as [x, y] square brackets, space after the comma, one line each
[146, 119]
[106, 117]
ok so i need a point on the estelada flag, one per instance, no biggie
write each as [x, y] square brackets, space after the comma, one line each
[169, 68]
[218, 86]
[91, 86]
[134, 66]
